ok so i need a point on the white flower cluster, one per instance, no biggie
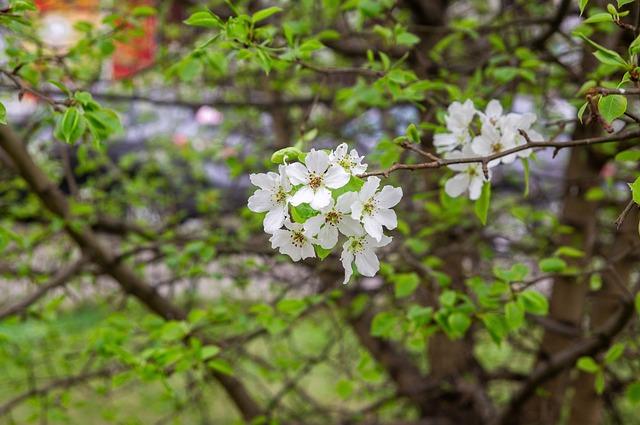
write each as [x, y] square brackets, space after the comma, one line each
[360, 216]
[498, 132]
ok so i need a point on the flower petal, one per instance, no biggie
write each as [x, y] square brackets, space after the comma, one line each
[387, 218]
[307, 251]
[373, 228]
[475, 187]
[369, 188]
[321, 198]
[389, 197]
[304, 194]
[317, 161]
[274, 219]
[298, 173]
[456, 185]
[262, 180]
[345, 201]
[261, 201]
[313, 224]
[367, 263]
[346, 258]
[350, 227]
[336, 177]
[328, 237]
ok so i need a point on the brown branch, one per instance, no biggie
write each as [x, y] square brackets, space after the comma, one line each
[60, 279]
[623, 215]
[439, 163]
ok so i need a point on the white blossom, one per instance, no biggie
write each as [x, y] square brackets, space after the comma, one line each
[294, 241]
[271, 197]
[458, 119]
[333, 218]
[361, 248]
[317, 177]
[349, 161]
[469, 178]
[491, 141]
[374, 209]
[513, 122]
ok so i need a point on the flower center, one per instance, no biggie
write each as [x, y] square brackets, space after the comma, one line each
[346, 163]
[472, 171]
[496, 147]
[369, 207]
[297, 238]
[280, 196]
[315, 181]
[332, 218]
[356, 244]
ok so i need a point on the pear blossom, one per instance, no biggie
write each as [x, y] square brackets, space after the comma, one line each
[349, 161]
[360, 247]
[470, 177]
[491, 141]
[317, 176]
[374, 209]
[492, 115]
[271, 197]
[457, 120]
[294, 241]
[514, 122]
[333, 218]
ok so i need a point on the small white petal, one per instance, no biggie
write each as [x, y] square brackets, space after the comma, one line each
[321, 198]
[367, 263]
[389, 197]
[262, 180]
[345, 201]
[339, 152]
[313, 224]
[369, 188]
[336, 177]
[494, 109]
[350, 227]
[304, 194]
[456, 185]
[475, 188]
[386, 240]
[261, 201]
[298, 173]
[274, 219]
[328, 237]
[356, 210]
[373, 228]
[482, 145]
[317, 161]
[346, 258]
[387, 218]
[307, 251]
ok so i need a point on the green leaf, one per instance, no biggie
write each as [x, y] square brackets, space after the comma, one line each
[204, 19]
[321, 252]
[628, 155]
[413, 134]
[514, 313]
[534, 302]
[71, 125]
[482, 204]
[302, 212]
[581, 111]
[587, 364]
[496, 326]
[285, 154]
[420, 315]
[635, 190]
[605, 55]
[583, 4]
[637, 303]
[265, 13]
[208, 351]
[525, 166]
[598, 17]
[552, 265]
[220, 365]
[447, 298]
[623, 2]
[569, 251]
[293, 307]
[405, 284]
[459, 323]
[384, 324]
[612, 107]
[632, 393]
[3, 114]
[634, 47]
[614, 353]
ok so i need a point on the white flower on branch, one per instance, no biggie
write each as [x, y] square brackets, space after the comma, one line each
[333, 218]
[349, 161]
[272, 197]
[360, 247]
[470, 177]
[294, 241]
[374, 209]
[316, 178]
[458, 119]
